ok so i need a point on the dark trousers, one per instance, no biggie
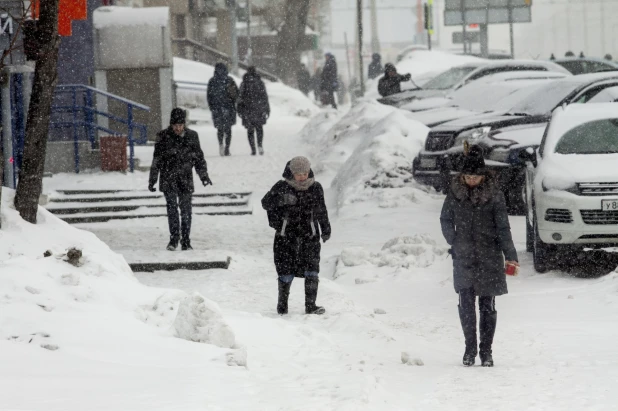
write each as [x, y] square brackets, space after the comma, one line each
[251, 131]
[225, 133]
[467, 301]
[179, 231]
[487, 318]
[329, 98]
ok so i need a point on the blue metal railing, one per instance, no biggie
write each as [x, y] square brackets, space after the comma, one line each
[83, 115]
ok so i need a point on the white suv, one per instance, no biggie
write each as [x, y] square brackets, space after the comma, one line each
[572, 183]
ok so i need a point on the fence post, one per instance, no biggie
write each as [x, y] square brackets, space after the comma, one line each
[75, 131]
[130, 135]
[89, 113]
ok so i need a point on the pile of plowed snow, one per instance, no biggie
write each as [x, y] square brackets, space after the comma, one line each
[93, 303]
[284, 100]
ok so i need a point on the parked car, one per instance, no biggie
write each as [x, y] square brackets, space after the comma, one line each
[572, 184]
[486, 91]
[609, 95]
[585, 65]
[441, 158]
[406, 52]
[458, 77]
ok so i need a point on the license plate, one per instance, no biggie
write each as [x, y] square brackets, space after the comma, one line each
[428, 163]
[609, 205]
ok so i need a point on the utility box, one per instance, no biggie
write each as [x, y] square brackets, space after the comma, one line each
[133, 59]
[113, 153]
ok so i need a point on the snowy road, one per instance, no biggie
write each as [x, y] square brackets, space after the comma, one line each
[554, 347]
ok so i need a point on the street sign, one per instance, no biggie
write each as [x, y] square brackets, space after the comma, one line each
[487, 12]
[428, 9]
[471, 37]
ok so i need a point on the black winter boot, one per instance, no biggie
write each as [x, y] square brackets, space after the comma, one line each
[468, 324]
[487, 328]
[311, 294]
[284, 293]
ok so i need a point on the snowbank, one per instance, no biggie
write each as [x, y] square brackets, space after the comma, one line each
[284, 100]
[96, 305]
[377, 155]
[419, 250]
[423, 65]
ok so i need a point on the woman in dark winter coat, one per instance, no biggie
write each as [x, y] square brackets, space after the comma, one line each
[475, 223]
[329, 83]
[222, 94]
[253, 107]
[296, 210]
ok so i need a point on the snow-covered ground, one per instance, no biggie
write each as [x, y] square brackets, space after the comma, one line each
[390, 339]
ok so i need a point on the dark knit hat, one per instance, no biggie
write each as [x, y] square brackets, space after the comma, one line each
[474, 163]
[178, 116]
[300, 165]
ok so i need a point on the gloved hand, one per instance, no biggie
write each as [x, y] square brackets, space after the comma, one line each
[289, 199]
[407, 77]
[151, 188]
[266, 116]
[206, 181]
[325, 237]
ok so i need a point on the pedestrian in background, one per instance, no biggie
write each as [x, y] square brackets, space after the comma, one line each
[177, 151]
[222, 95]
[391, 82]
[329, 83]
[303, 77]
[375, 67]
[297, 211]
[253, 108]
[475, 223]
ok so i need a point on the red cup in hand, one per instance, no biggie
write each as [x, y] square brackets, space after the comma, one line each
[511, 269]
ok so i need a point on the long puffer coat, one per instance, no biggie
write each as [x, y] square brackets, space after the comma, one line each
[329, 77]
[298, 227]
[222, 95]
[475, 223]
[253, 106]
[174, 159]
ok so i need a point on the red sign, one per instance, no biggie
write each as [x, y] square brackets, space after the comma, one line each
[474, 26]
[69, 10]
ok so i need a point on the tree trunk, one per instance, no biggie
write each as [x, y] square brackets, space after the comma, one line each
[291, 39]
[30, 182]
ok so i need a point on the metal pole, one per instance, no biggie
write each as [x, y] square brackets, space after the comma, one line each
[603, 45]
[375, 41]
[568, 23]
[130, 135]
[484, 40]
[75, 131]
[232, 7]
[359, 24]
[511, 33]
[347, 56]
[249, 51]
[7, 131]
[463, 26]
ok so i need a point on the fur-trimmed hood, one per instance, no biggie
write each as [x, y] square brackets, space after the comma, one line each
[478, 195]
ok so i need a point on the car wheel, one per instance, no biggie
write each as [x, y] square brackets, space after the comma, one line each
[529, 236]
[540, 252]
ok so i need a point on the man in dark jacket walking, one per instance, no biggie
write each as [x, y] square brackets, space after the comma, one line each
[177, 151]
[222, 94]
[375, 67]
[391, 82]
[303, 77]
[297, 211]
[475, 223]
[329, 81]
[253, 107]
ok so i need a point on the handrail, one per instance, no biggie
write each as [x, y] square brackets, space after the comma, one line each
[89, 111]
[225, 57]
[104, 93]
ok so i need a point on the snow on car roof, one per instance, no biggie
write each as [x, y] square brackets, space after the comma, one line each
[520, 75]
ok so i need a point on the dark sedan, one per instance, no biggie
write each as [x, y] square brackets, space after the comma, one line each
[443, 152]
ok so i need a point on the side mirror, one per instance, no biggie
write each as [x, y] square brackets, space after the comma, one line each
[529, 156]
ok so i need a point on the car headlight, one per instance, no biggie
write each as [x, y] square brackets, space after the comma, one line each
[472, 136]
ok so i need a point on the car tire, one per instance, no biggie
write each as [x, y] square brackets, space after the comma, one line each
[529, 237]
[540, 253]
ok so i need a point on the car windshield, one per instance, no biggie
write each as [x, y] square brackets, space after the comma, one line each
[545, 99]
[595, 137]
[449, 78]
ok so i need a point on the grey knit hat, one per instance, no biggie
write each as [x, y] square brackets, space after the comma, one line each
[300, 165]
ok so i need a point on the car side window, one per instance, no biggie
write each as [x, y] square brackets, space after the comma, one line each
[575, 67]
[589, 93]
[595, 66]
